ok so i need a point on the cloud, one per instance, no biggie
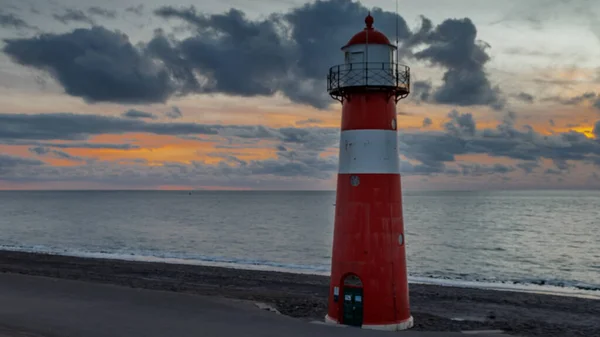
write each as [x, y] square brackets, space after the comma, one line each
[73, 15]
[301, 152]
[174, 113]
[10, 20]
[95, 64]
[427, 122]
[69, 126]
[288, 53]
[432, 149]
[10, 163]
[476, 170]
[553, 172]
[309, 121]
[70, 145]
[420, 91]
[132, 113]
[138, 10]
[578, 100]
[528, 166]
[461, 137]
[453, 45]
[42, 151]
[525, 97]
[102, 12]
[460, 124]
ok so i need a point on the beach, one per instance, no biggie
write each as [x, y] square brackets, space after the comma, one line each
[302, 296]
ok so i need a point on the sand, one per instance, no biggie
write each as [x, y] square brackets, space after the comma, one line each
[434, 308]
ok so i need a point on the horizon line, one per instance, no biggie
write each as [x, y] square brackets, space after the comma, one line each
[290, 190]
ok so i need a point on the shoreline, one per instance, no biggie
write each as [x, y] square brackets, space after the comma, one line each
[304, 296]
[540, 287]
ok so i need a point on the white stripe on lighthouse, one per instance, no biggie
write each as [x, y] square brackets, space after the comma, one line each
[369, 151]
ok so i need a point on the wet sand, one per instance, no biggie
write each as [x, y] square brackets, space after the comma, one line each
[435, 308]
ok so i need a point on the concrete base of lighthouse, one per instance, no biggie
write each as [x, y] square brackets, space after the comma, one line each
[402, 325]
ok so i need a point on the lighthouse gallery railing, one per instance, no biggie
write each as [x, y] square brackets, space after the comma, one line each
[383, 76]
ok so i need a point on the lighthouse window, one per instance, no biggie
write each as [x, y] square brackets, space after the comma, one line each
[357, 57]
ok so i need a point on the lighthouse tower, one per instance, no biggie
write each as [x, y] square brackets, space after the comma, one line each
[369, 285]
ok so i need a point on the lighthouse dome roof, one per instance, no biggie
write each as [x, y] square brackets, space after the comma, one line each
[369, 35]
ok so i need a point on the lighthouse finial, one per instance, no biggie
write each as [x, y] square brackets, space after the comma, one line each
[369, 21]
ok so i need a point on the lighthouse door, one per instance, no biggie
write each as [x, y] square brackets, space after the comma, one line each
[353, 301]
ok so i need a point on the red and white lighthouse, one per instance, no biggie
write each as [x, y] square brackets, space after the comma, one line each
[369, 286]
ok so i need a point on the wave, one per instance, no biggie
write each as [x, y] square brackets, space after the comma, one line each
[540, 286]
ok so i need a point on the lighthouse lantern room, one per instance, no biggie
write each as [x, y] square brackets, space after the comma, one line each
[369, 62]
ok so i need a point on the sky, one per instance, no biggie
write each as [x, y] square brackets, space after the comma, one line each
[231, 94]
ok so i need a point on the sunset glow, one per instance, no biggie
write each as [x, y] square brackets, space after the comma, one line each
[480, 115]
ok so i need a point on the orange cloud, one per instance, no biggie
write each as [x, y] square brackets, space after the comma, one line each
[157, 149]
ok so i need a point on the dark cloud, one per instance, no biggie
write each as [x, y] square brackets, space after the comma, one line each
[525, 97]
[105, 13]
[300, 151]
[293, 164]
[420, 91]
[174, 113]
[432, 150]
[73, 15]
[577, 100]
[318, 35]
[231, 54]
[553, 172]
[70, 145]
[462, 137]
[138, 10]
[453, 44]
[597, 129]
[132, 113]
[476, 170]
[309, 121]
[10, 20]
[528, 166]
[427, 122]
[95, 64]
[551, 122]
[460, 124]
[68, 126]
[10, 163]
[42, 151]
[316, 139]
[229, 47]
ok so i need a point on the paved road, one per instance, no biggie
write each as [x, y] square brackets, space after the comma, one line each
[44, 307]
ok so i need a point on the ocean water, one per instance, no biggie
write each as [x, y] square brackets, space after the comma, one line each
[543, 241]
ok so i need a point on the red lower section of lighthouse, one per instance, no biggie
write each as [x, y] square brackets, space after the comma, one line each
[369, 286]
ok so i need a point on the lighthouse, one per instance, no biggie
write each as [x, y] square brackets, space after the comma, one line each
[369, 286]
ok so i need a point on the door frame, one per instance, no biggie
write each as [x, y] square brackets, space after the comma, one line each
[357, 284]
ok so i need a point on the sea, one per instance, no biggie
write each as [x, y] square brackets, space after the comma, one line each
[536, 241]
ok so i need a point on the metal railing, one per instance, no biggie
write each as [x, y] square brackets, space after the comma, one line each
[346, 78]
